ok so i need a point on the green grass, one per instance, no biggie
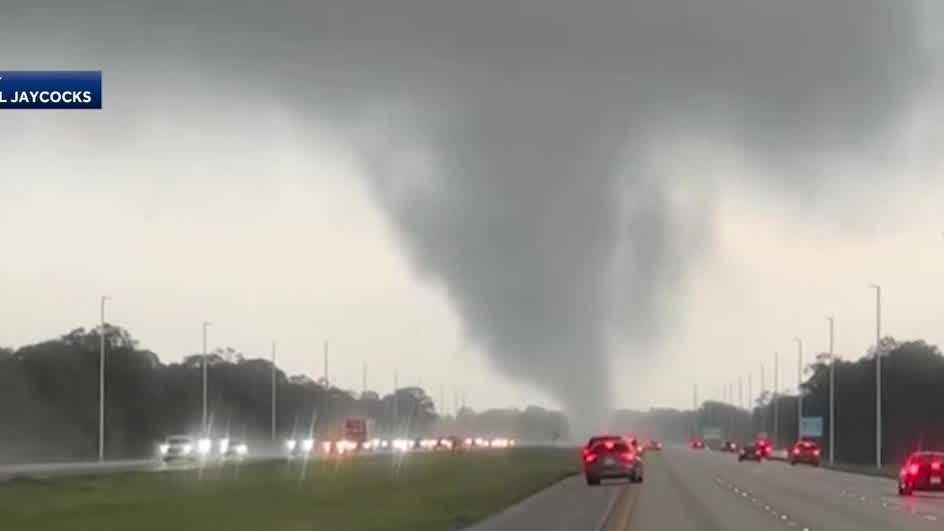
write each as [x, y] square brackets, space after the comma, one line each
[414, 492]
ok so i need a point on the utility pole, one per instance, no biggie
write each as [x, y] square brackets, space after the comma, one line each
[101, 383]
[364, 379]
[205, 325]
[327, 381]
[396, 400]
[274, 383]
[799, 343]
[776, 402]
[878, 375]
[763, 389]
[740, 391]
[832, 394]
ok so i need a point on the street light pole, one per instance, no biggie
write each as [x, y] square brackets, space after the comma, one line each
[205, 325]
[832, 394]
[799, 343]
[776, 402]
[878, 375]
[274, 383]
[101, 383]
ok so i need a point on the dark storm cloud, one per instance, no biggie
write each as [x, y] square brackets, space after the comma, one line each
[509, 141]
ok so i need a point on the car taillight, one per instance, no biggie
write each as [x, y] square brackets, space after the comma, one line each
[796, 451]
[589, 458]
[758, 452]
[627, 456]
[816, 453]
[913, 470]
[936, 466]
[609, 445]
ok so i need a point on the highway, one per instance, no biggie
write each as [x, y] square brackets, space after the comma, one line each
[710, 491]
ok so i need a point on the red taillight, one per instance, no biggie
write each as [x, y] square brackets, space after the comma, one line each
[589, 458]
[627, 456]
[758, 452]
[796, 451]
[609, 445]
[936, 466]
[816, 453]
[913, 470]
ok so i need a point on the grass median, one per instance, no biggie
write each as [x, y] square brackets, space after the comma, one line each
[415, 492]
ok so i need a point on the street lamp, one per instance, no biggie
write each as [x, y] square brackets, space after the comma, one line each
[832, 393]
[205, 325]
[878, 375]
[799, 343]
[274, 344]
[101, 383]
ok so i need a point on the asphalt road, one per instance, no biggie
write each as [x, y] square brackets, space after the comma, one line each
[711, 491]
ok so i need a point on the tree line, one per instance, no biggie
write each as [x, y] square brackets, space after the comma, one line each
[49, 402]
[912, 404]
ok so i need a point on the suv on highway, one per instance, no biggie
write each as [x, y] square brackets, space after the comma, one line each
[922, 471]
[805, 452]
[729, 446]
[611, 457]
[185, 448]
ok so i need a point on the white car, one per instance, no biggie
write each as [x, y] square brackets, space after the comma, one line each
[299, 447]
[185, 448]
[233, 449]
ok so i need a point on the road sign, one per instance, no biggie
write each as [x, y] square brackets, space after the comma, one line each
[811, 427]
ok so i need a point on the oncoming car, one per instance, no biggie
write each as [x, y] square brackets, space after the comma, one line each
[185, 448]
[608, 457]
[233, 449]
[299, 447]
[922, 471]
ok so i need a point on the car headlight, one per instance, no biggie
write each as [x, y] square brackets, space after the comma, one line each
[204, 446]
[224, 445]
[308, 444]
[290, 445]
[164, 448]
[186, 449]
[242, 449]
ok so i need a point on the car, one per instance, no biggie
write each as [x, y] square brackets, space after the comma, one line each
[697, 443]
[606, 457]
[730, 447]
[185, 448]
[233, 449]
[766, 447]
[299, 447]
[751, 452]
[653, 445]
[805, 452]
[922, 471]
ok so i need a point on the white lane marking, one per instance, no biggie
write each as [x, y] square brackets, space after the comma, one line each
[930, 517]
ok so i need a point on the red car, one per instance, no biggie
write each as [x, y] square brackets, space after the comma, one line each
[697, 443]
[805, 452]
[922, 471]
[765, 446]
[607, 457]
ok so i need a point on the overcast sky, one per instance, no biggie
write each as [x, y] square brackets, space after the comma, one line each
[527, 202]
